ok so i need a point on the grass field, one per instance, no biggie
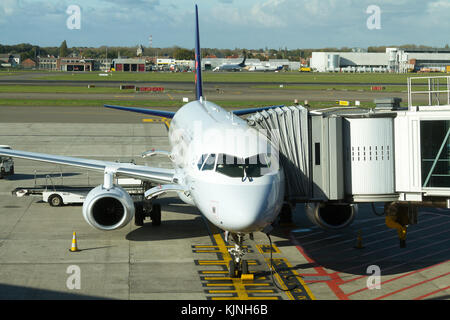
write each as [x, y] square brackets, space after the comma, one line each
[289, 81]
[59, 89]
[340, 87]
[252, 77]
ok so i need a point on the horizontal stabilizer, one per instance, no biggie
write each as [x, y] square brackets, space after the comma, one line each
[253, 110]
[158, 113]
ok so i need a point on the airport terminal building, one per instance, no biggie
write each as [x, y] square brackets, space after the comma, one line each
[393, 60]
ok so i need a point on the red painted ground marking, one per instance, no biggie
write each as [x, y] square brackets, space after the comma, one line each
[412, 286]
[396, 278]
[431, 293]
[332, 284]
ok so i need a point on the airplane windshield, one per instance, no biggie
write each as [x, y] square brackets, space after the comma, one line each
[206, 162]
[235, 167]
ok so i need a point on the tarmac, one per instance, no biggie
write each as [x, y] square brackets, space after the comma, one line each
[185, 258]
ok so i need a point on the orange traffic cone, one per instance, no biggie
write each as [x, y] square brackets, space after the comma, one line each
[74, 247]
[359, 244]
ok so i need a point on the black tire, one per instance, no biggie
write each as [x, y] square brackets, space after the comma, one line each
[55, 200]
[156, 214]
[139, 215]
[11, 171]
[231, 269]
[286, 213]
[244, 267]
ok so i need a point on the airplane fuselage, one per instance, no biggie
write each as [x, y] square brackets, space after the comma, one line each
[209, 148]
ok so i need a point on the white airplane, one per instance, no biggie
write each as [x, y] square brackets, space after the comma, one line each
[221, 165]
[264, 68]
[232, 67]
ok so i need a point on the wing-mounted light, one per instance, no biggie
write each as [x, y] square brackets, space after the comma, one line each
[162, 189]
[154, 152]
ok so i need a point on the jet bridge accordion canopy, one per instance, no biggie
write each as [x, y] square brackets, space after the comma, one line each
[287, 127]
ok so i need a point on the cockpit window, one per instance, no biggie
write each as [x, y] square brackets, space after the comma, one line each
[201, 161]
[235, 167]
[206, 162]
[210, 162]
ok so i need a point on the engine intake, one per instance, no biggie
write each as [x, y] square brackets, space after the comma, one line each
[331, 216]
[108, 209]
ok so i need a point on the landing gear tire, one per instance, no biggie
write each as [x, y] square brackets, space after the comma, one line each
[244, 267]
[156, 214]
[235, 270]
[286, 214]
[139, 215]
[232, 269]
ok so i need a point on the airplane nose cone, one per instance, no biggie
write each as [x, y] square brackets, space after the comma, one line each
[248, 207]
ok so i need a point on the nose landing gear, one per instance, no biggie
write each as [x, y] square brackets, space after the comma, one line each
[237, 266]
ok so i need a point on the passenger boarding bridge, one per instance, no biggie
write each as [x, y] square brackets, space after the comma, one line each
[337, 157]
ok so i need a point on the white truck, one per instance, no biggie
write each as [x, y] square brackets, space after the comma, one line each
[6, 164]
[56, 198]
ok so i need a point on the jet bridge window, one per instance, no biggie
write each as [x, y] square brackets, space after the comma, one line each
[435, 153]
[235, 167]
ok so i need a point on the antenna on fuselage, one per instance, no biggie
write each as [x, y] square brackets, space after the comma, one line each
[198, 61]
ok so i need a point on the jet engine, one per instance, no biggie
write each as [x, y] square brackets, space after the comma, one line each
[331, 216]
[108, 209]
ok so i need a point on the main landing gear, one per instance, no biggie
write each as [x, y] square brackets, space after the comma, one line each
[143, 210]
[237, 266]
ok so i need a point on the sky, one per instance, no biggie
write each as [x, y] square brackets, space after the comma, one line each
[229, 24]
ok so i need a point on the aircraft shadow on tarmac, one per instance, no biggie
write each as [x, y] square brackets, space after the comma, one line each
[427, 244]
[172, 229]
[12, 292]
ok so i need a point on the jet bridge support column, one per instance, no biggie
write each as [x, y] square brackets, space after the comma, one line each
[398, 217]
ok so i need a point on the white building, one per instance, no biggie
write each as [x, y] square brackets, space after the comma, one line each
[393, 60]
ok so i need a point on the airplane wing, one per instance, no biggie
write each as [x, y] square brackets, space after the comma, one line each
[158, 113]
[252, 110]
[158, 175]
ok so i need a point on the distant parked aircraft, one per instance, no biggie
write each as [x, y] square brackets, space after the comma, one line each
[264, 68]
[232, 67]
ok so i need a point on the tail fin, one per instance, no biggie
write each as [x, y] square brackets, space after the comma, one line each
[198, 60]
[242, 64]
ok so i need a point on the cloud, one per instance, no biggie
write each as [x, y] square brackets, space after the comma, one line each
[227, 23]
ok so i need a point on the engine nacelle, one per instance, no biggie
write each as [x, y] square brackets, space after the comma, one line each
[108, 209]
[331, 216]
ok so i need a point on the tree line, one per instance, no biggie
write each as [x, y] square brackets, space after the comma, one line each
[27, 50]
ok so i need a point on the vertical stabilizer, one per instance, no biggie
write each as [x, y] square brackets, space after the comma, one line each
[198, 60]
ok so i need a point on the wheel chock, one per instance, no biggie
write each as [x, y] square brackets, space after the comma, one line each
[247, 277]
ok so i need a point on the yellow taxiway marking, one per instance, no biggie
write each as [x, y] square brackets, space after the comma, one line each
[248, 298]
[159, 120]
[227, 278]
[234, 291]
[296, 291]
